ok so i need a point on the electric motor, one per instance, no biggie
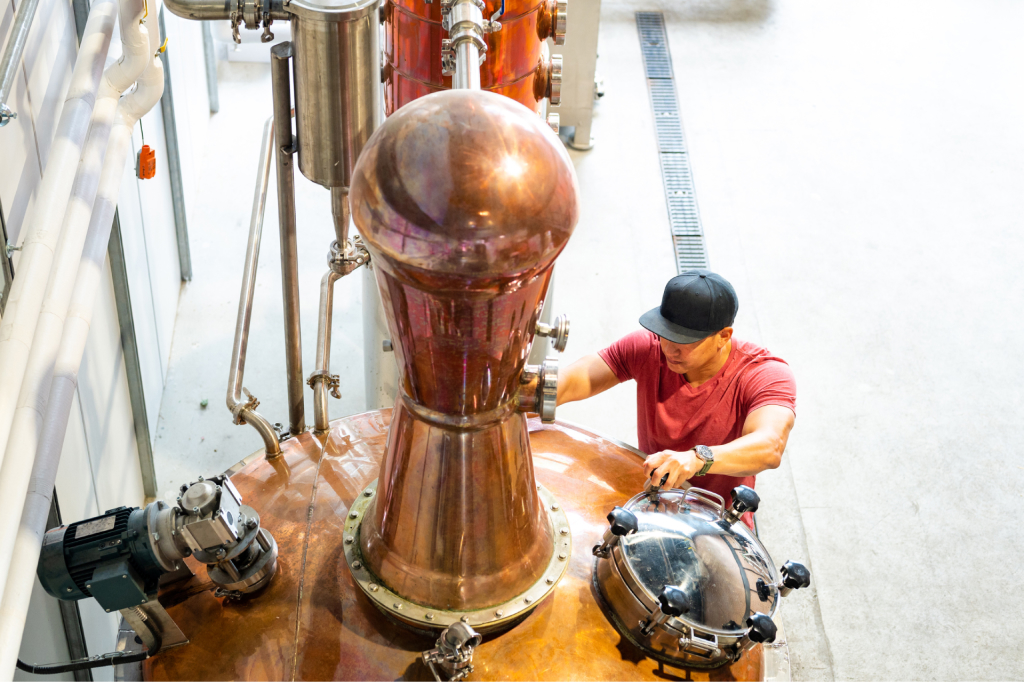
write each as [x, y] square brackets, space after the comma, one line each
[119, 557]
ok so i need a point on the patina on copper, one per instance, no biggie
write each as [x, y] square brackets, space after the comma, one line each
[464, 199]
[313, 623]
[515, 63]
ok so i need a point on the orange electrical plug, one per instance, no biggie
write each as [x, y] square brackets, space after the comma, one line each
[145, 167]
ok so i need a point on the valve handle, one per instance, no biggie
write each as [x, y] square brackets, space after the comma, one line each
[762, 629]
[622, 522]
[744, 500]
[795, 575]
[673, 601]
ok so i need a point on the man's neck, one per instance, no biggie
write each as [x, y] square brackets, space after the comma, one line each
[709, 370]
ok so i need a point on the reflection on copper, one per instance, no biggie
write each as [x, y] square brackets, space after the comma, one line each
[412, 50]
[313, 623]
[457, 522]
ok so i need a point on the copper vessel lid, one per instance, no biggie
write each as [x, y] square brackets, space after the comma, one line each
[466, 189]
[722, 569]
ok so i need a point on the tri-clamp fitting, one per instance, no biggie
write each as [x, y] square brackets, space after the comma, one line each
[466, 26]
[253, 14]
[538, 389]
[344, 260]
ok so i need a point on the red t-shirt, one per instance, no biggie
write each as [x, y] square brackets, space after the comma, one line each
[672, 415]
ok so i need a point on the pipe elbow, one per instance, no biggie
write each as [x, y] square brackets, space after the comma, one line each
[205, 10]
[149, 91]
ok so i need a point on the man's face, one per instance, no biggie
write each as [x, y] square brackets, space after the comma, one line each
[687, 357]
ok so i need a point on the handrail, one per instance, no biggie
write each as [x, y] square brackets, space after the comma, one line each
[244, 411]
[13, 53]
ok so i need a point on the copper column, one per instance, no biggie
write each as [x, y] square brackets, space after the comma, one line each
[464, 199]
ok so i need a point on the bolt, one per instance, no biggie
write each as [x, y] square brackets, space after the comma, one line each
[143, 601]
[88, 587]
[108, 610]
[179, 498]
[527, 600]
[499, 613]
[562, 556]
[374, 587]
[201, 479]
[218, 488]
[124, 576]
[430, 616]
[554, 507]
[195, 510]
[368, 493]
[349, 540]
[397, 606]
[69, 589]
[251, 522]
[464, 619]
[550, 581]
[357, 565]
[538, 486]
[354, 515]
[563, 531]
[221, 553]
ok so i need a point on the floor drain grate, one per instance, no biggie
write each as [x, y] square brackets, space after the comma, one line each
[684, 219]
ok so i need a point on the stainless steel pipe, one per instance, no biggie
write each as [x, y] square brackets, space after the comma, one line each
[467, 67]
[13, 53]
[341, 213]
[211, 10]
[280, 75]
[321, 380]
[244, 410]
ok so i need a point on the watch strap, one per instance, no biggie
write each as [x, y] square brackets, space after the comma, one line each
[704, 453]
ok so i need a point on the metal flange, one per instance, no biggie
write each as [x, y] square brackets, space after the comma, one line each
[485, 620]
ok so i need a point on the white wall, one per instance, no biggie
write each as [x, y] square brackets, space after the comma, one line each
[99, 468]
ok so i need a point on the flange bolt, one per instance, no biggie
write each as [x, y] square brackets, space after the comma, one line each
[794, 576]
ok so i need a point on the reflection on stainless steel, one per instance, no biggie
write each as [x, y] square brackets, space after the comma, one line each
[686, 583]
[245, 411]
[464, 199]
[337, 85]
[280, 57]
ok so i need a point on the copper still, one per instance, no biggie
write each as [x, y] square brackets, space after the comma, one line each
[517, 64]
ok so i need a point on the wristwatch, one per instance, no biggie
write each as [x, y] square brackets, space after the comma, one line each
[705, 455]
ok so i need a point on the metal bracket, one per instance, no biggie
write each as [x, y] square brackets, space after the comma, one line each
[11, 249]
[447, 57]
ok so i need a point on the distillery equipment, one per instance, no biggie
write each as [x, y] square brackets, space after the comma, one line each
[463, 533]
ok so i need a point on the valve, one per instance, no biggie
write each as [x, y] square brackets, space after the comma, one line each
[559, 331]
[672, 603]
[548, 80]
[744, 500]
[794, 577]
[620, 524]
[554, 121]
[557, 18]
[452, 654]
[762, 628]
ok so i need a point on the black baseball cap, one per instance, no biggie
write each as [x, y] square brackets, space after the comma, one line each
[695, 305]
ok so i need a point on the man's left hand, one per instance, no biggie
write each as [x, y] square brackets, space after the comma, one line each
[680, 466]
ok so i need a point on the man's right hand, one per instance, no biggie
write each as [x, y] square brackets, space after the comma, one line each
[680, 467]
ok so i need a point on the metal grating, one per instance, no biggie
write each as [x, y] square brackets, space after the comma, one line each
[684, 218]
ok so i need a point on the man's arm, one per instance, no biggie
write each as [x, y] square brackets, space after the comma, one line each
[765, 433]
[584, 378]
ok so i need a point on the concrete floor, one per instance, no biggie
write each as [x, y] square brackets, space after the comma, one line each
[859, 173]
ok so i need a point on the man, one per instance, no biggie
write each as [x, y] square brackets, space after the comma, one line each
[711, 409]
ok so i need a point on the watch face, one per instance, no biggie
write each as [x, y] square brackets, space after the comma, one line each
[704, 452]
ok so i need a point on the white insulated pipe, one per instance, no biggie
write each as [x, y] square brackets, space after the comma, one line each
[16, 467]
[18, 325]
[27, 540]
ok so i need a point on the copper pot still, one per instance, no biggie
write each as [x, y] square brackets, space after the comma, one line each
[464, 200]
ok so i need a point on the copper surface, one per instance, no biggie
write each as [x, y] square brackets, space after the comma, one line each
[313, 623]
[464, 199]
[412, 50]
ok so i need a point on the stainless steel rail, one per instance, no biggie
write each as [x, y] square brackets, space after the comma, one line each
[13, 53]
[244, 411]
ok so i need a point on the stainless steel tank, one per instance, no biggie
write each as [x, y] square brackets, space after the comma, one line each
[337, 84]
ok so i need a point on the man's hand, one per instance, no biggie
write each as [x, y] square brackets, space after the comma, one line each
[680, 466]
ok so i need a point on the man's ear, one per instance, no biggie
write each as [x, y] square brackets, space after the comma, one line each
[724, 336]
